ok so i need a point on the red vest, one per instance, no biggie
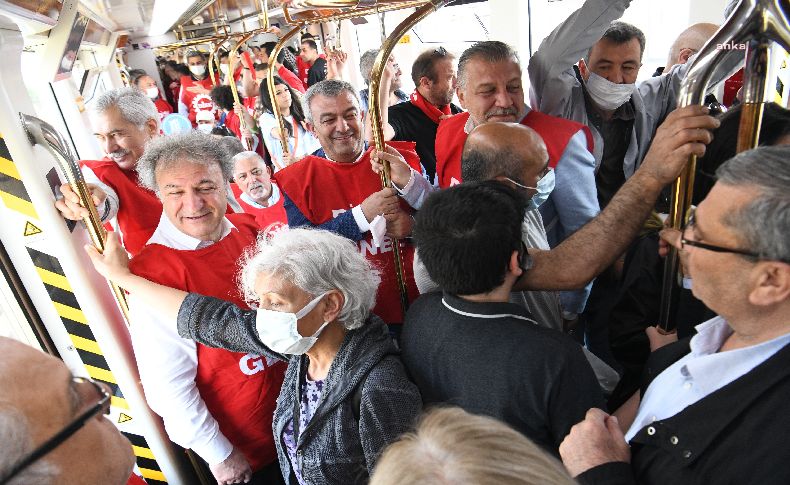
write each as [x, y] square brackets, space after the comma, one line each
[450, 139]
[270, 219]
[323, 189]
[138, 209]
[196, 102]
[240, 390]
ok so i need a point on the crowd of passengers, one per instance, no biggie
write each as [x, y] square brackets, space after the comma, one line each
[266, 304]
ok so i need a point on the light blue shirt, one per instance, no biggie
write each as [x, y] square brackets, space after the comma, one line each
[307, 142]
[700, 373]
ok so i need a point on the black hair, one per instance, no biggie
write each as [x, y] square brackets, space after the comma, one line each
[223, 97]
[268, 106]
[311, 43]
[466, 235]
[222, 54]
[775, 125]
[260, 66]
[621, 33]
[222, 130]
[425, 64]
[182, 69]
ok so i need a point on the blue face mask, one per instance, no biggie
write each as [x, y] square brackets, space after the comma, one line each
[545, 186]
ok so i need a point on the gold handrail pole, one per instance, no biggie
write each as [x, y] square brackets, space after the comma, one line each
[231, 69]
[212, 58]
[41, 133]
[755, 75]
[375, 117]
[272, 88]
[754, 22]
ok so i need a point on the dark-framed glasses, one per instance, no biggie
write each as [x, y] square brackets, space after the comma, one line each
[685, 241]
[102, 406]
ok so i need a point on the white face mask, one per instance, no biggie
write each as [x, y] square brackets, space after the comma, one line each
[197, 70]
[278, 331]
[545, 187]
[152, 92]
[606, 94]
[205, 127]
[224, 68]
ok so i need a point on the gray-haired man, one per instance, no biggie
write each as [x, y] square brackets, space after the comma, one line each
[124, 120]
[227, 420]
[704, 399]
[337, 190]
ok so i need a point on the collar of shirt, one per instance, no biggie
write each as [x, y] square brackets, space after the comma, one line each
[709, 367]
[468, 127]
[485, 310]
[321, 153]
[167, 234]
[271, 201]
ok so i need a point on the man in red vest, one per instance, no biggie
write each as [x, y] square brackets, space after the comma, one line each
[195, 88]
[490, 89]
[124, 120]
[258, 196]
[216, 402]
[336, 189]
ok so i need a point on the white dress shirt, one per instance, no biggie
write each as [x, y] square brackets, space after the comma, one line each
[168, 364]
[700, 373]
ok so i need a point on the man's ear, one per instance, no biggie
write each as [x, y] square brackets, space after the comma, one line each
[684, 55]
[514, 265]
[310, 127]
[460, 93]
[425, 82]
[151, 127]
[583, 69]
[772, 284]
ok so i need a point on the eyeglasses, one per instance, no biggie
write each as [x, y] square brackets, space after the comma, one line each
[684, 241]
[102, 406]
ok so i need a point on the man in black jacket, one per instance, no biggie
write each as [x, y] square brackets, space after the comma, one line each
[469, 346]
[713, 407]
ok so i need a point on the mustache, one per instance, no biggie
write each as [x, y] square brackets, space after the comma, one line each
[256, 186]
[502, 112]
[118, 154]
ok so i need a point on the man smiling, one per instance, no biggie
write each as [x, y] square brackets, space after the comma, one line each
[227, 421]
[335, 189]
[124, 120]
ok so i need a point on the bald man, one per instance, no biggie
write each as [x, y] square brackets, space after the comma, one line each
[688, 43]
[591, 249]
[41, 398]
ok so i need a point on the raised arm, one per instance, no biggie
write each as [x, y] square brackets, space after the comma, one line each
[595, 246]
[113, 264]
[564, 46]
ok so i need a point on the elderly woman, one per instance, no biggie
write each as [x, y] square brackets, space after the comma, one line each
[345, 394]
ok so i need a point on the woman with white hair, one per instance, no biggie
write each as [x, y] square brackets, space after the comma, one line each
[345, 394]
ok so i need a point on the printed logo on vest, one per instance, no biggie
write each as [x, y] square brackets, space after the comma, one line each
[251, 364]
[273, 228]
[202, 102]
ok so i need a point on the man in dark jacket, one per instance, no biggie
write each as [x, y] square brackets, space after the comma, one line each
[712, 407]
[469, 346]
